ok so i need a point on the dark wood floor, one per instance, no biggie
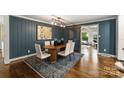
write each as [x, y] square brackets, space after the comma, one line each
[93, 66]
[90, 66]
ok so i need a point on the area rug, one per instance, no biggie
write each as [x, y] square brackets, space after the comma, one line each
[111, 72]
[50, 70]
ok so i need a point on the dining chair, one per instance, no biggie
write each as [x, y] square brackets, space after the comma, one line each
[72, 48]
[66, 52]
[39, 53]
[69, 41]
[71, 51]
[52, 42]
[46, 44]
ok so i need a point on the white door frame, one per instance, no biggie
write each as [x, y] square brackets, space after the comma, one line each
[6, 39]
[97, 36]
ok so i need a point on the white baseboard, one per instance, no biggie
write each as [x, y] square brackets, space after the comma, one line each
[14, 59]
[107, 55]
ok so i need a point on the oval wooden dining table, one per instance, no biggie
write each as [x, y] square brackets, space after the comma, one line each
[53, 50]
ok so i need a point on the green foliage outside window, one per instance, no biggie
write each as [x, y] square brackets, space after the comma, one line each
[84, 36]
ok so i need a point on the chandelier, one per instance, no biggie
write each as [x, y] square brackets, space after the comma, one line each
[57, 21]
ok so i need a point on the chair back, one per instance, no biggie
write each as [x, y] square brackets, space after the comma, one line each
[72, 47]
[38, 50]
[67, 49]
[69, 41]
[52, 42]
[47, 43]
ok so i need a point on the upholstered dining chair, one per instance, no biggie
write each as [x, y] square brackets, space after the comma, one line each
[52, 42]
[46, 44]
[70, 41]
[72, 48]
[66, 52]
[39, 53]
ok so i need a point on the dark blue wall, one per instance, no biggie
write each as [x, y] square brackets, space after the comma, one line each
[23, 36]
[107, 40]
[74, 34]
[104, 41]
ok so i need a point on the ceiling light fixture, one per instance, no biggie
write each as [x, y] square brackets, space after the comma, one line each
[57, 21]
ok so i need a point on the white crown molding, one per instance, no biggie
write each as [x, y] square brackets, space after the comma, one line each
[32, 19]
[96, 20]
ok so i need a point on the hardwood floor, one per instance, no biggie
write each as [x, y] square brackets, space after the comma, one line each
[16, 69]
[90, 66]
[93, 66]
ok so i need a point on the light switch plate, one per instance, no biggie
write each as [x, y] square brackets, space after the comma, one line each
[104, 49]
[29, 51]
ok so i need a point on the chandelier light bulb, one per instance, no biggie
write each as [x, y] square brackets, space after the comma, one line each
[61, 25]
[57, 21]
[52, 23]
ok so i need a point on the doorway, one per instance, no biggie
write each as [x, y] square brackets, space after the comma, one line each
[89, 38]
[1, 38]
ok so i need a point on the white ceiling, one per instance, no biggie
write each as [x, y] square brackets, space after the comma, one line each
[70, 19]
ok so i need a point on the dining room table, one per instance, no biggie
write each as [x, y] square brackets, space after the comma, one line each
[53, 50]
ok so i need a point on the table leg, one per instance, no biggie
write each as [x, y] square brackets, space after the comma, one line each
[53, 57]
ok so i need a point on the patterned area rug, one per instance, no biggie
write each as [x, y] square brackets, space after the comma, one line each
[56, 70]
[110, 72]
